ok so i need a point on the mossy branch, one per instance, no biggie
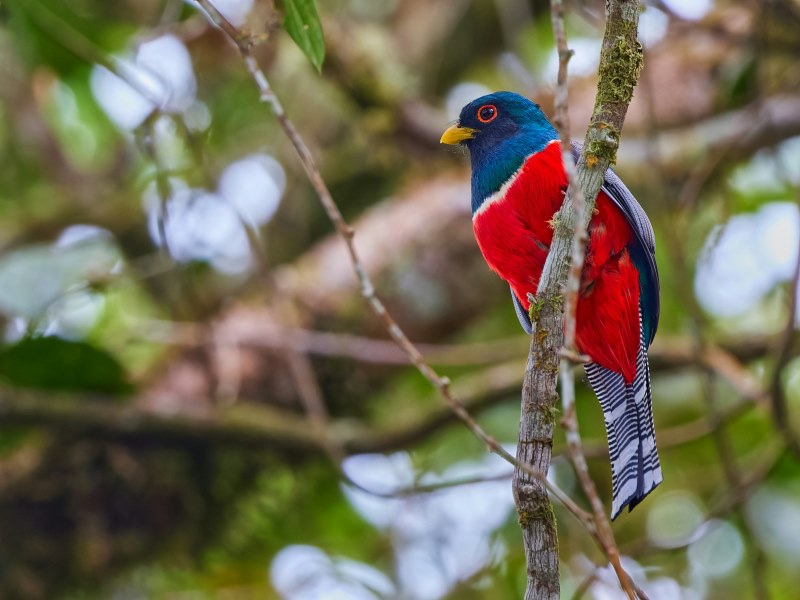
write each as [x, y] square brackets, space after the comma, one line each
[621, 60]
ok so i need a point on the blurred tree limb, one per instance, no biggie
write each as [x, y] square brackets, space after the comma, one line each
[250, 424]
[668, 353]
[745, 131]
[762, 123]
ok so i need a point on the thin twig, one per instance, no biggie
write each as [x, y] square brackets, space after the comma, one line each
[432, 488]
[562, 124]
[244, 44]
[571, 289]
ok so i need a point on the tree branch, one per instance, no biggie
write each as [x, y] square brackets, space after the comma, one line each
[668, 353]
[620, 65]
[254, 425]
[442, 384]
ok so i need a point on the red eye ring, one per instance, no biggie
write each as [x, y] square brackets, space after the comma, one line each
[487, 113]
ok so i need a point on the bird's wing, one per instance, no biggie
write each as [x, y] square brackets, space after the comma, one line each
[643, 254]
[522, 314]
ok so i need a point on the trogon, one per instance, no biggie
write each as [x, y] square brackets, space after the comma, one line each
[518, 184]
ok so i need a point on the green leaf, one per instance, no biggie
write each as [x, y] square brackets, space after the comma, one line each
[57, 364]
[301, 21]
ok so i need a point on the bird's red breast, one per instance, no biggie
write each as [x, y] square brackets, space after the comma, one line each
[514, 232]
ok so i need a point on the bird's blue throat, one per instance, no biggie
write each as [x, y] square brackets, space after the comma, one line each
[495, 161]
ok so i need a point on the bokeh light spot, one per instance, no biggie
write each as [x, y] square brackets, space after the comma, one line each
[673, 518]
[719, 551]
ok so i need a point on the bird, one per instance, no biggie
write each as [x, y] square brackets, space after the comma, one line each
[518, 184]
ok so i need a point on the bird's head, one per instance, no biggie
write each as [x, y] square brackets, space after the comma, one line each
[500, 130]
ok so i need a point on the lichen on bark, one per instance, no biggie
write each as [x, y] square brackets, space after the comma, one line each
[620, 65]
[618, 74]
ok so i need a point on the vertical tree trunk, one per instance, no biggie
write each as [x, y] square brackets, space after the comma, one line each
[620, 65]
[535, 446]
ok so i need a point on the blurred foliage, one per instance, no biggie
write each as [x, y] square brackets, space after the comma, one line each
[57, 364]
[157, 233]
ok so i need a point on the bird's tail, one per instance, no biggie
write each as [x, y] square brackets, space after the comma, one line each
[628, 414]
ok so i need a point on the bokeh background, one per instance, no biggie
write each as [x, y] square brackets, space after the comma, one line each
[172, 296]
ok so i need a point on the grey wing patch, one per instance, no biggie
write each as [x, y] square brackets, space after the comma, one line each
[614, 187]
[622, 196]
[522, 314]
[618, 191]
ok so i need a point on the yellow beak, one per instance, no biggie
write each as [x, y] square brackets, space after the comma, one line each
[456, 134]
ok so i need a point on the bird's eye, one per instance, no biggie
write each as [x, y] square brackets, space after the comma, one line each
[487, 113]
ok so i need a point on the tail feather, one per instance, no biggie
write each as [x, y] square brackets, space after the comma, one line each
[628, 414]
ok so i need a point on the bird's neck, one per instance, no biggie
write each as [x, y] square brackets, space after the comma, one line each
[494, 167]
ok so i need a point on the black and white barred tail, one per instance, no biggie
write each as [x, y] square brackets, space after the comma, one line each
[628, 414]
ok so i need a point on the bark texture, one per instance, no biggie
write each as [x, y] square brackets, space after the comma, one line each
[620, 65]
[535, 447]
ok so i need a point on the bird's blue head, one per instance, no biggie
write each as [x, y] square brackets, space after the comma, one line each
[500, 130]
